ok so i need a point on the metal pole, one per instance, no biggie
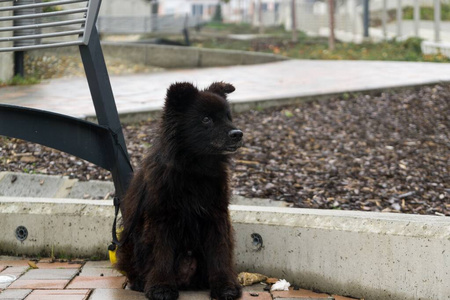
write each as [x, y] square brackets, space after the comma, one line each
[19, 63]
[416, 17]
[260, 17]
[399, 18]
[437, 21]
[294, 23]
[384, 19]
[366, 18]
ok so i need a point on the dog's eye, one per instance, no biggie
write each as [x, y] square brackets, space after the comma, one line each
[206, 120]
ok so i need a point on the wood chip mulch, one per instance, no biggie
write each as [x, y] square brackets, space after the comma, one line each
[388, 152]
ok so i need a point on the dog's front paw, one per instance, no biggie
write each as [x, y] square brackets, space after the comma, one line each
[228, 291]
[162, 292]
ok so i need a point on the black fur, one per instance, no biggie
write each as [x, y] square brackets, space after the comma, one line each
[184, 238]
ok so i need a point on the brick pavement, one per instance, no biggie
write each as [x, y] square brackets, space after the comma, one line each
[97, 280]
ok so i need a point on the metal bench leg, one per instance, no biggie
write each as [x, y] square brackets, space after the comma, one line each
[105, 107]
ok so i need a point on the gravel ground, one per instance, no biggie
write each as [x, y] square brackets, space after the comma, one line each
[388, 152]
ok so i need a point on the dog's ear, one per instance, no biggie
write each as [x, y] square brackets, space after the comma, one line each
[221, 88]
[181, 95]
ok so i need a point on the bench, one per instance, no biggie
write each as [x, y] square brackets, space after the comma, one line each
[35, 24]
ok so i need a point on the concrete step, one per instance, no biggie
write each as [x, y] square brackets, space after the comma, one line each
[61, 187]
[368, 255]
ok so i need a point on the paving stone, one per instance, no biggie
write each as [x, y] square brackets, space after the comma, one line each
[7, 279]
[59, 294]
[257, 287]
[58, 265]
[89, 282]
[97, 264]
[116, 294]
[100, 272]
[194, 295]
[50, 274]
[15, 271]
[15, 263]
[256, 296]
[337, 297]
[39, 284]
[299, 294]
[14, 294]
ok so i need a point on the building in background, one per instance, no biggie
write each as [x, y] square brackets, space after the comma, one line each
[199, 8]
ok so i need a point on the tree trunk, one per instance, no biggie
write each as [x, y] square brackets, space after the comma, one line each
[331, 37]
[294, 23]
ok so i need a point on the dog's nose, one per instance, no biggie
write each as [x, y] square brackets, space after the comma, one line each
[235, 134]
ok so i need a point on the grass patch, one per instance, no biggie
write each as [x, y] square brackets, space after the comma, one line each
[315, 47]
[19, 80]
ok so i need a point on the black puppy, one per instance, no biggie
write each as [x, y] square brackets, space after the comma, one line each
[183, 238]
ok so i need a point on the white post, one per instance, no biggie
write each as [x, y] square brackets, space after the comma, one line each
[437, 21]
[399, 18]
[6, 58]
[355, 19]
[384, 19]
[416, 17]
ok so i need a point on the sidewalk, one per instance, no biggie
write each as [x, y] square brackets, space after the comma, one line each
[272, 81]
[97, 280]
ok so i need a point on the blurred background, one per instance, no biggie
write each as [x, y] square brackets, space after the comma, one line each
[321, 22]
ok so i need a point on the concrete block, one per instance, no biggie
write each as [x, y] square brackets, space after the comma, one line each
[172, 57]
[217, 57]
[93, 189]
[27, 185]
[367, 255]
[65, 188]
[185, 57]
[66, 226]
[132, 52]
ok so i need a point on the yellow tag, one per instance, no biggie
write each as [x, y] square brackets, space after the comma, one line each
[112, 253]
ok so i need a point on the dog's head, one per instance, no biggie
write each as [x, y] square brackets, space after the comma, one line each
[200, 120]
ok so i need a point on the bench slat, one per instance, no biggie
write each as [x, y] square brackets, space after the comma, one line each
[34, 29]
[38, 5]
[44, 25]
[44, 15]
[60, 44]
[41, 36]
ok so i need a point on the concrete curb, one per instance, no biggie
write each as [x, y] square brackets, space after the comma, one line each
[13, 184]
[370, 255]
[185, 57]
[172, 57]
